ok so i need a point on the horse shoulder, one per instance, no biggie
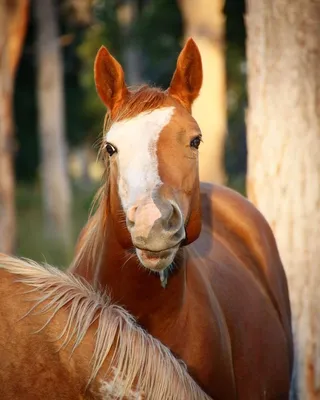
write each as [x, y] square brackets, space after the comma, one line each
[234, 221]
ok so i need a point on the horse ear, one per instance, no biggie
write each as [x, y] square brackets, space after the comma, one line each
[187, 78]
[109, 79]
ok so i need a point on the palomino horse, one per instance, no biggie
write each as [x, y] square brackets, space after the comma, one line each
[221, 303]
[60, 339]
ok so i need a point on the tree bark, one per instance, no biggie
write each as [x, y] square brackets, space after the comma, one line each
[51, 120]
[283, 51]
[13, 25]
[205, 23]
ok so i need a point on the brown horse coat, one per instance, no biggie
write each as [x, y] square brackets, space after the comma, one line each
[60, 339]
[225, 310]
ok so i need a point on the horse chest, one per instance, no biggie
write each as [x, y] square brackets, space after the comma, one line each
[200, 338]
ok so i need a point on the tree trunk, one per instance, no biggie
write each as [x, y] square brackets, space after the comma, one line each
[205, 23]
[283, 51]
[51, 119]
[13, 24]
[127, 13]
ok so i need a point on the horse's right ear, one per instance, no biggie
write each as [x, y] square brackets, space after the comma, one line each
[109, 80]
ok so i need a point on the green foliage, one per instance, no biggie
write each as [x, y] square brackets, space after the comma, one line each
[25, 111]
[235, 28]
[103, 32]
[238, 183]
[159, 33]
[236, 150]
[92, 106]
[31, 239]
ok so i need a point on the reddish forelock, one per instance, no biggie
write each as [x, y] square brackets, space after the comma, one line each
[144, 98]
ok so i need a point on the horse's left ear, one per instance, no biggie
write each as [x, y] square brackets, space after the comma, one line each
[187, 79]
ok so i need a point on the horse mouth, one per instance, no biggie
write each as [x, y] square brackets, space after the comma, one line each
[155, 254]
[157, 260]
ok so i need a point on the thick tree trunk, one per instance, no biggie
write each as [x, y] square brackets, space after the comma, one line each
[50, 88]
[205, 23]
[13, 24]
[283, 180]
[127, 12]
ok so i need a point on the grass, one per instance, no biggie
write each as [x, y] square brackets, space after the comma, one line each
[31, 240]
[238, 183]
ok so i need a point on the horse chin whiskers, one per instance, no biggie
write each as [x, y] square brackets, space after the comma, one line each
[162, 266]
[164, 275]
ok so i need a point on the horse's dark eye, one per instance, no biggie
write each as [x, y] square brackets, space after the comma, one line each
[110, 149]
[195, 142]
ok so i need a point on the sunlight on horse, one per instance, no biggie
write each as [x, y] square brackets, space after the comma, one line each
[60, 339]
[222, 305]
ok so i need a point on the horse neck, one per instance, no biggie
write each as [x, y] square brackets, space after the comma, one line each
[136, 288]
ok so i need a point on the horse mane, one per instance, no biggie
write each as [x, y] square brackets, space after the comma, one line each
[140, 99]
[91, 243]
[148, 369]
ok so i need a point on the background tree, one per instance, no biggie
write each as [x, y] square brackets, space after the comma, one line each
[283, 51]
[51, 118]
[13, 24]
[205, 22]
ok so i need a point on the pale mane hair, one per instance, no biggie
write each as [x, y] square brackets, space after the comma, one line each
[91, 243]
[152, 369]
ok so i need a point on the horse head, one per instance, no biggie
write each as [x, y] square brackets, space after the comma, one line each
[151, 148]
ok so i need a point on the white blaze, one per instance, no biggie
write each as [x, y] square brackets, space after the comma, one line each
[136, 141]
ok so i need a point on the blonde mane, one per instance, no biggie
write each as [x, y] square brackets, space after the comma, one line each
[91, 244]
[149, 369]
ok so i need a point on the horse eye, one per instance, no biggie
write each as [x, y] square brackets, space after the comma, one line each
[110, 149]
[195, 142]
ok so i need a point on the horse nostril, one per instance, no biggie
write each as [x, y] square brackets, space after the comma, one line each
[174, 217]
[131, 216]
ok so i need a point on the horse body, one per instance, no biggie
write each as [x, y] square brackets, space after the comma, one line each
[225, 308]
[31, 366]
[60, 339]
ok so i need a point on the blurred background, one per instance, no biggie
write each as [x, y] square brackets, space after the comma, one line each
[51, 122]
[56, 115]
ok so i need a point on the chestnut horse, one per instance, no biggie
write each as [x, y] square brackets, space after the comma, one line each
[196, 264]
[60, 339]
